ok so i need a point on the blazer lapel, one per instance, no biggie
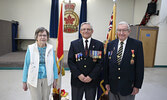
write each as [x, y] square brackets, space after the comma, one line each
[92, 44]
[126, 50]
[81, 46]
[115, 46]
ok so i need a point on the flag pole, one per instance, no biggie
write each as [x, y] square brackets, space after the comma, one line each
[60, 53]
[114, 21]
[111, 36]
[111, 33]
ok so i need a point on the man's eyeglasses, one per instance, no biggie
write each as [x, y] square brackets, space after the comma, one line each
[84, 29]
[123, 30]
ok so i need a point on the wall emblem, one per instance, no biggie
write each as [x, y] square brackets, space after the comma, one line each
[71, 19]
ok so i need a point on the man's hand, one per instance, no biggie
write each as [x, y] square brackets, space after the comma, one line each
[87, 79]
[135, 91]
[81, 77]
[107, 87]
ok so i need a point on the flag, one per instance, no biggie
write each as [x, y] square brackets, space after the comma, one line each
[83, 14]
[60, 53]
[59, 50]
[111, 29]
[54, 18]
[110, 36]
[112, 25]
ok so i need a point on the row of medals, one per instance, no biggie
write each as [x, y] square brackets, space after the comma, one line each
[92, 53]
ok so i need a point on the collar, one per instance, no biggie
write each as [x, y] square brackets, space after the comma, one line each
[89, 39]
[125, 41]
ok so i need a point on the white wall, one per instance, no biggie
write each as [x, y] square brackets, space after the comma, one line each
[140, 9]
[35, 13]
[161, 55]
[98, 14]
[161, 21]
[29, 13]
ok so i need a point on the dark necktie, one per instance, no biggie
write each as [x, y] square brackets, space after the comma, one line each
[119, 54]
[86, 47]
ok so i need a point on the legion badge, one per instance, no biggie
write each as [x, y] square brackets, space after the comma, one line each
[71, 19]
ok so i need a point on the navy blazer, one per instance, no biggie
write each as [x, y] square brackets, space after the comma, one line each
[85, 65]
[122, 78]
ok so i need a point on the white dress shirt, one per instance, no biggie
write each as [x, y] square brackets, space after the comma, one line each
[124, 45]
[89, 39]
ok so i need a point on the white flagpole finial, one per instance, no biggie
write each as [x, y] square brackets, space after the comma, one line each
[114, 0]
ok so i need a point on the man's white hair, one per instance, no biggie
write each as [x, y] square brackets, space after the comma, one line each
[86, 23]
[124, 23]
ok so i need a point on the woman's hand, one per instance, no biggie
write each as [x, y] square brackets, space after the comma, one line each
[55, 83]
[25, 88]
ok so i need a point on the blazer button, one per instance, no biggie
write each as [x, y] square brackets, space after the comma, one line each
[85, 66]
[119, 68]
[119, 78]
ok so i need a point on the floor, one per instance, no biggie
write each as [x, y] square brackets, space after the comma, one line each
[154, 86]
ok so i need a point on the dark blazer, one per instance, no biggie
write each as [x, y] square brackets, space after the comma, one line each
[84, 64]
[122, 78]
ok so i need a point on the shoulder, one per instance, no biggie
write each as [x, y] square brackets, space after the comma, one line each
[49, 45]
[76, 41]
[113, 42]
[96, 41]
[131, 40]
[31, 45]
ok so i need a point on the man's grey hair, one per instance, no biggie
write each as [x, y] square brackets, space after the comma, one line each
[124, 23]
[86, 23]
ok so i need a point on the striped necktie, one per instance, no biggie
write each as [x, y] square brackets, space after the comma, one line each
[119, 54]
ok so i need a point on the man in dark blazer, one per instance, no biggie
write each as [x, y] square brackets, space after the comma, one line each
[124, 69]
[85, 63]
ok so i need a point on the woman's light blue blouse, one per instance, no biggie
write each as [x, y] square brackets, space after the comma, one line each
[42, 68]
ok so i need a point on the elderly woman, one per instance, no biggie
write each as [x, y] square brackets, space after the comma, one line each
[40, 70]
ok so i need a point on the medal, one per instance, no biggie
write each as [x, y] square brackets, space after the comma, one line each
[100, 53]
[76, 57]
[131, 61]
[133, 55]
[109, 55]
[95, 56]
[81, 55]
[94, 59]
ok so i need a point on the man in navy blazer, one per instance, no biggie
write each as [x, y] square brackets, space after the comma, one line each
[85, 63]
[124, 71]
